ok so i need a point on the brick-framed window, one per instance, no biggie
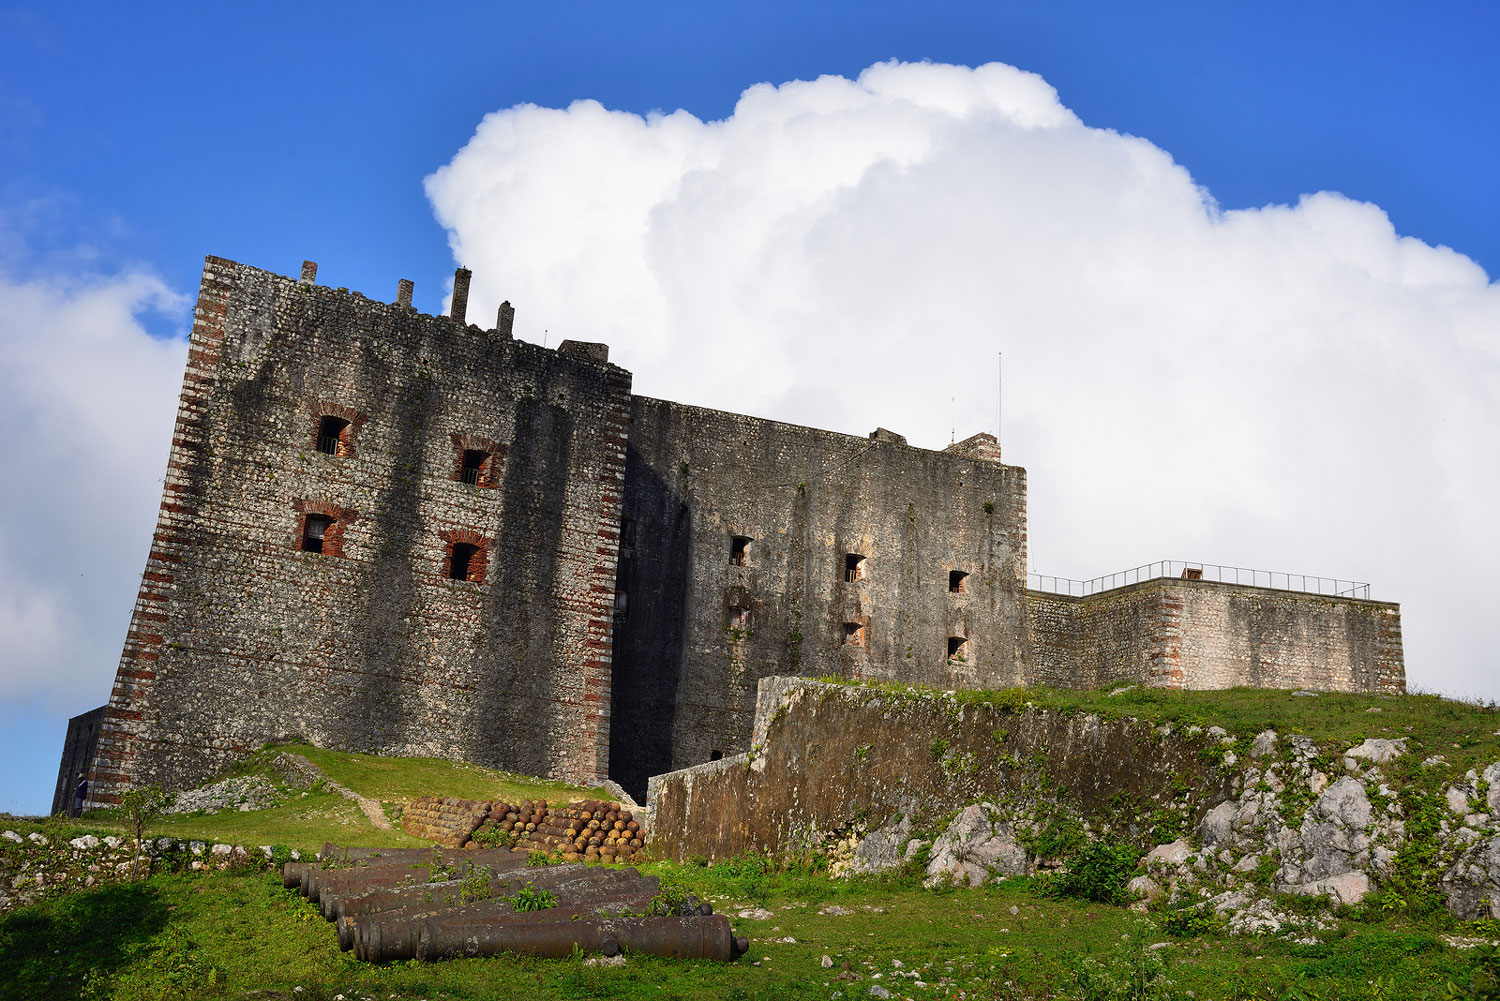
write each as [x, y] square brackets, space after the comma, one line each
[956, 579]
[320, 526]
[477, 461]
[335, 428]
[958, 647]
[854, 568]
[855, 633]
[466, 556]
[739, 550]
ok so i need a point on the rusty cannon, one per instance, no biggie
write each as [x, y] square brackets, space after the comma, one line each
[698, 937]
[434, 904]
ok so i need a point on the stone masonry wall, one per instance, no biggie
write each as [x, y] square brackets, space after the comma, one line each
[240, 637]
[699, 628]
[1205, 634]
[826, 757]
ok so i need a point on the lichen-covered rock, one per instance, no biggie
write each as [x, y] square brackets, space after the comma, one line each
[1377, 750]
[1217, 825]
[1263, 744]
[1346, 888]
[242, 793]
[1472, 885]
[1146, 888]
[881, 850]
[975, 847]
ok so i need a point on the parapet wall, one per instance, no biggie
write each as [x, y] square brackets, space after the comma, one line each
[242, 634]
[1174, 633]
[828, 756]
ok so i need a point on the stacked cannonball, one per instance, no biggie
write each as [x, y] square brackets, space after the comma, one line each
[587, 829]
[445, 820]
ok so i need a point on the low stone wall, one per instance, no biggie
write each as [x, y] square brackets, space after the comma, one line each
[828, 756]
[1205, 634]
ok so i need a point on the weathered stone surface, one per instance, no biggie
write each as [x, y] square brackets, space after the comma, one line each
[1263, 744]
[1146, 888]
[1217, 826]
[884, 849]
[1346, 888]
[1472, 885]
[1377, 750]
[974, 848]
[828, 755]
[1167, 857]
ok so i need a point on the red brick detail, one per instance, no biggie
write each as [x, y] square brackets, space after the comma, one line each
[349, 437]
[333, 536]
[478, 564]
[489, 472]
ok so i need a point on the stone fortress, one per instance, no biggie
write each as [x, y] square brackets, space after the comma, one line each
[398, 533]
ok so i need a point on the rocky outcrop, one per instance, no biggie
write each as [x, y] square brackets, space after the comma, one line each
[976, 847]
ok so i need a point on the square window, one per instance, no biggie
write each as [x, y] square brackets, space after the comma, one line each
[739, 550]
[956, 580]
[854, 567]
[854, 634]
[333, 436]
[314, 530]
[739, 618]
[958, 647]
[461, 565]
[472, 465]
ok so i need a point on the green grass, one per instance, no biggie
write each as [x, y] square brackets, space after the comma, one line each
[402, 779]
[1462, 732]
[242, 936]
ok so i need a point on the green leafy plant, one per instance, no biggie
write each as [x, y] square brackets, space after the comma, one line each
[529, 898]
[1098, 871]
[140, 806]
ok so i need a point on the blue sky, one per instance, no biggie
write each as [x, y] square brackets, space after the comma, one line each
[135, 140]
[273, 133]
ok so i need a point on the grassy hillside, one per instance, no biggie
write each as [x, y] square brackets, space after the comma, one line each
[239, 935]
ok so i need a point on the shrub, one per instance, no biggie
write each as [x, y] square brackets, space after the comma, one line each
[1098, 871]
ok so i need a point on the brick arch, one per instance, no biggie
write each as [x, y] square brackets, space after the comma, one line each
[489, 473]
[348, 444]
[333, 538]
[478, 564]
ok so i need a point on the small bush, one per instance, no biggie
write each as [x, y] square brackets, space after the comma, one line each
[1097, 872]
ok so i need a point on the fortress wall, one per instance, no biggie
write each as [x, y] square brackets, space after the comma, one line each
[1233, 635]
[1204, 634]
[687, 667]
[240, 637]
[826, 757]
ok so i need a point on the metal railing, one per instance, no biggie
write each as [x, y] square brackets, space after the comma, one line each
[1183, 570]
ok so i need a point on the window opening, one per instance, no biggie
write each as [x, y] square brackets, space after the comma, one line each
[739, 618]
[739, 550]
[461, 564]
[958, 647]
[314, 529]
[854, 567]
[331, 431]
[473, 465]
[956, 580]
[715, 755]
[854, 634]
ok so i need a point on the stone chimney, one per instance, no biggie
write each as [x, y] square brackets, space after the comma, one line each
[309, 272]
[403, 292]
[505, 320]
[460, 306]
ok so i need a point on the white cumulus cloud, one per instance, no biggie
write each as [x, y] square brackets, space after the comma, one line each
[1291, 387]
[87, 401]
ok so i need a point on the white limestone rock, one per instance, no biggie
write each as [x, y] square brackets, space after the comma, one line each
[1263, 744]
[1377, 750]
[882, 850]
[975, 847]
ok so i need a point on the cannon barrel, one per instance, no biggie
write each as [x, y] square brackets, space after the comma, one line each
[353, 930]
[562, 881]
[578, 892]
[680, 938]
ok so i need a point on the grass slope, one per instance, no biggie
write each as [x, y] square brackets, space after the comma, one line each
[240, 935]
